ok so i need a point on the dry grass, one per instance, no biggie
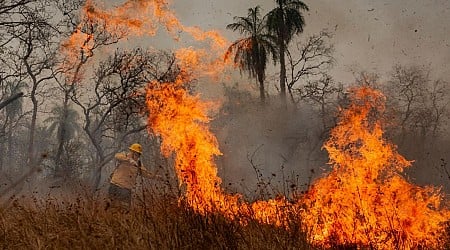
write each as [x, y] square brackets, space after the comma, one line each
[159, 222]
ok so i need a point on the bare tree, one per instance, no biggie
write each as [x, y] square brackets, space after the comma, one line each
[35, 45]
[419, 103]
[439, 100]
[311, 58]
[31, 31]
[324, 93]
[74, 57]
[112, 106]
[10, 99]
[365, 78]
[408, 86]
[9, 12]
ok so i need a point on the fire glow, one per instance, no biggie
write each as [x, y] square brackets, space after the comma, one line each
[143, 17]
[364, 201]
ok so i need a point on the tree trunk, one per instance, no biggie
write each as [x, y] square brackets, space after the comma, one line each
[35, 83]
[282, 69]
[2, 152]
[100, 161]
[61, 138]
[10, 147]
[262, 92]
[31, 153]
[97, 177]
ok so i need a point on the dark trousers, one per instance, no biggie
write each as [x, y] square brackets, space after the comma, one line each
[119, 195]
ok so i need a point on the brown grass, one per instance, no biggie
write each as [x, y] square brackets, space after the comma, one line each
[159, 222]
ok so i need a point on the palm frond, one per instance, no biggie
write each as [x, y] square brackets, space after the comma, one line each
[251, 52]
[296, 4]
[287, 19]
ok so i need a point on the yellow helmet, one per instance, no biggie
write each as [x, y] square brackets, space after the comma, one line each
[136, 147]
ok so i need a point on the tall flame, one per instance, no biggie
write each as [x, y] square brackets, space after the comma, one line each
[181, 120]
[364, 200]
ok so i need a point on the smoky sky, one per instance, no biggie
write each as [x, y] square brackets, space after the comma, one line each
[368, 35]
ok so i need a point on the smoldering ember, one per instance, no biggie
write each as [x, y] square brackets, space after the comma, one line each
[287, 124]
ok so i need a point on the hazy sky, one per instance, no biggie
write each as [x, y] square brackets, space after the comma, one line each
[369, 34]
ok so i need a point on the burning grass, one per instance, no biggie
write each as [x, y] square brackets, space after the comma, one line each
[364, 201]
[160, 221]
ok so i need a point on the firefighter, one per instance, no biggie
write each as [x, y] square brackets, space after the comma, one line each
[123, 178]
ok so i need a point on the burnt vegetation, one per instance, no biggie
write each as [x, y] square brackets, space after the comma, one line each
[64, 116]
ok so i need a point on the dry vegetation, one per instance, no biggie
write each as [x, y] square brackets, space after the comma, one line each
[159, 221]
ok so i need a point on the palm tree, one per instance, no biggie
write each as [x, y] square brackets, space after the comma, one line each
[64, 122]
[285, 21]
[15, 103]
[13, 113]
[251, 52]
[64, 119]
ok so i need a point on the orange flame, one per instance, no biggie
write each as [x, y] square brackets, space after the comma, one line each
[181, 120]
[142, 17]
[364, 200]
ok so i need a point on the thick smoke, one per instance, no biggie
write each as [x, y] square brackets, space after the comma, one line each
[268, 148]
